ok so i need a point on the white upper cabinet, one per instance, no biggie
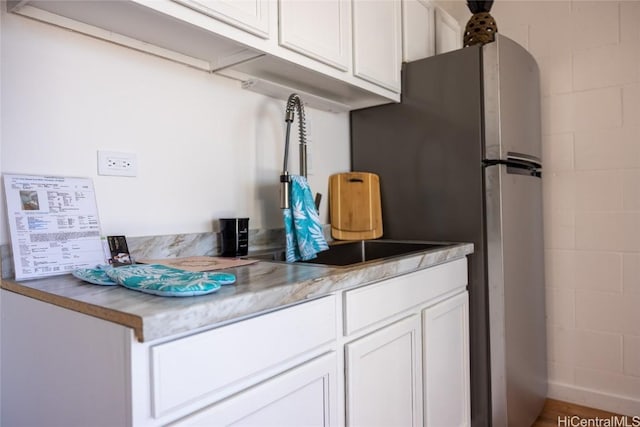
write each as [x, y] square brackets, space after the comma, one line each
[427, 30]
[417, 30]
[344, 54]
[377, 43]
[318, 29]
[448, 33]
[248, 15]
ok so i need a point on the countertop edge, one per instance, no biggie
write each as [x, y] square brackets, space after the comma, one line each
[256, 302]
[125, 319]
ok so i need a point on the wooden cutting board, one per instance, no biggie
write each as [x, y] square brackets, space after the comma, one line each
[354, 206]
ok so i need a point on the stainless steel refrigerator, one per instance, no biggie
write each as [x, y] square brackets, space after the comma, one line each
[459, 159]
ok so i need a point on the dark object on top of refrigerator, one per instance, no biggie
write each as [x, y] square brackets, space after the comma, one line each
[459, 160]
[482, 27]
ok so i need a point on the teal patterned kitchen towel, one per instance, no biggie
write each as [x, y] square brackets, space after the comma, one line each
[156, 279]
[166, 281]
[302, 224]
[95, 276]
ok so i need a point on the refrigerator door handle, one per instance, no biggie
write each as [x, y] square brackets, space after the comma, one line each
[516, 165]
[519, 157]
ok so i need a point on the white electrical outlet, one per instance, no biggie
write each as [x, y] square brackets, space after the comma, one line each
[117, 164]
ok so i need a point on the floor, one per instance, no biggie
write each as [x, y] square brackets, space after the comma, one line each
[557, 413]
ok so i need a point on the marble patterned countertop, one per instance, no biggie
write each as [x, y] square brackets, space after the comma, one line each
[260, 287]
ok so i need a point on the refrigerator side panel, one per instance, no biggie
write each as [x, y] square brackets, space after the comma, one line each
[428, 151]
[496, 297]
[514, 235]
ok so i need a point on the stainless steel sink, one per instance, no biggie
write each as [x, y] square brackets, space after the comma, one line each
[344, 254]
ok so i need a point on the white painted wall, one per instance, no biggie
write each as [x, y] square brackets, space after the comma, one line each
[206, 148]
[589, 58]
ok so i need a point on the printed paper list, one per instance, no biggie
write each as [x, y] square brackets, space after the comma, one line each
[54, 225]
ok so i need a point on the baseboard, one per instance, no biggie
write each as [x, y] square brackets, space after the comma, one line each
[594, 399]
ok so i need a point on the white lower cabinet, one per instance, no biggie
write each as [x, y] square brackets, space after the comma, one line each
[383, 376]
[391, 353]
[304, 396]
[77, 370]
[445, 338]
[407, 355]
[244, 353]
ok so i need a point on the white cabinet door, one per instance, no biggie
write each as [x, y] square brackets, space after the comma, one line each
[448, 34]
[248, 15]
[383, 377]
[304, 396]
[377, 42]
[318, 29]
[305, 328]
[445, 340]
[418, 31]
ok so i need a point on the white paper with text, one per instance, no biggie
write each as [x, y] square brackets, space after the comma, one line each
[54, 225]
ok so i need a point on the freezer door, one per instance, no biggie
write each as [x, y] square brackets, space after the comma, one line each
[511, 100]
[516, 295]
